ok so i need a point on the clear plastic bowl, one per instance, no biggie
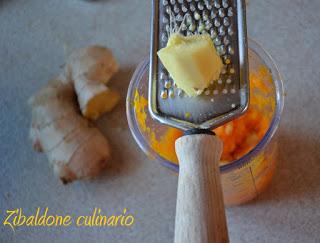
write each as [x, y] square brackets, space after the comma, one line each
[242, 179]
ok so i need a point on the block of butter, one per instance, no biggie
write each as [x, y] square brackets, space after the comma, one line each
[192, 62]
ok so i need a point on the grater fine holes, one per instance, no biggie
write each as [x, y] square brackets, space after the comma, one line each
[199, 16]
[164, 94]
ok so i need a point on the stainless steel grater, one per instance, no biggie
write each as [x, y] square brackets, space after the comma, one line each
[226, 98]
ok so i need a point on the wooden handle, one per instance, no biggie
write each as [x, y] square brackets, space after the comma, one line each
[200, 213]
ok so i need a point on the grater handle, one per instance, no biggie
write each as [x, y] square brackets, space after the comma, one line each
[200, 213]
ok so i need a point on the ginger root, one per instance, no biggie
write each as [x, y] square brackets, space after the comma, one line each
[90, 69]
[74, 146]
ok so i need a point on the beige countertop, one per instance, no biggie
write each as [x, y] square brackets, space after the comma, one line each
[35, 38]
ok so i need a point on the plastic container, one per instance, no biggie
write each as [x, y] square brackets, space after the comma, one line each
[242, 179]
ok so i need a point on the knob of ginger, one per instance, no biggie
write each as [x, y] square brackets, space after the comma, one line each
[90, 69]
[192, 61]
[74, 146]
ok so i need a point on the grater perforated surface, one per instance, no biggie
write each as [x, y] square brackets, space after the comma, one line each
[225, 98]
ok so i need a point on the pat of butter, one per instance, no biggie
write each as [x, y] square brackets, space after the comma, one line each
[192, 62]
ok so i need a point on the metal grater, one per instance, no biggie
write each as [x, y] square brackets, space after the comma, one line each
[225, 98]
